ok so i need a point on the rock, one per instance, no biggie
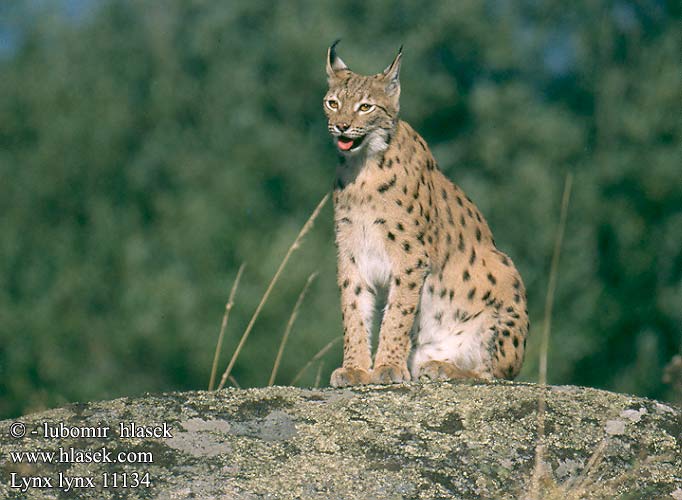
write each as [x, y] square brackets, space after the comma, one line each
[615, 427]
[464, 440]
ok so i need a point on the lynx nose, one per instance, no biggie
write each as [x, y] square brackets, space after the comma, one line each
[342, 127]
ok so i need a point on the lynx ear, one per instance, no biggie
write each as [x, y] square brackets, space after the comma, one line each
[334, 62]
[392, 74]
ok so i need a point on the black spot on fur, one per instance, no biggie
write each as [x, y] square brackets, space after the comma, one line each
[466, 275]
[478, 234]
[391, 236]
[451, 221]
[492, 279]
[380, 221]
[471, 294]
[388, 185]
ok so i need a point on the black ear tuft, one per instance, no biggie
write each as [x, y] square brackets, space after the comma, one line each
[392, 74]
[332, 49]
[334, 62]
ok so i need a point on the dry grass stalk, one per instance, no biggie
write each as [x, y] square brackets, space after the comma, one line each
[583, 481]
[297, 242]
[317, 356]
[540, 472]
[551, 286]
[290, 324]
[228, 308]
[583, 486]
[234, 382]
[318, 376]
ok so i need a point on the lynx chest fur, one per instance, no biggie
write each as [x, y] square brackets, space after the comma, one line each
[456, 305]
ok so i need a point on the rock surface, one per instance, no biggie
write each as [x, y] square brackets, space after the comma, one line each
[462, 440]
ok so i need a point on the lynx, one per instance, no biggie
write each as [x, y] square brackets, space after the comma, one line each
[456, 305]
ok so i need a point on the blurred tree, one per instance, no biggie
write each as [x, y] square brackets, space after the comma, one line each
[148, 148]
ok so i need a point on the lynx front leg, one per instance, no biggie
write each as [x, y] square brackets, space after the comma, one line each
[390, 364]
[357, 304]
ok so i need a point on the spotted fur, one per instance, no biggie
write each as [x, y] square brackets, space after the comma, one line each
[456, 305]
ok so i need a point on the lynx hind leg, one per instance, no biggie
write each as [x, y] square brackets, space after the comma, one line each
[454, 350]
[443, 370]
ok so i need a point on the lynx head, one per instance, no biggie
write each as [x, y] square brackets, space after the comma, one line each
[362, 110]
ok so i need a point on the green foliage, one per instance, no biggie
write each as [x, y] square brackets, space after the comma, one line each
[151, 147]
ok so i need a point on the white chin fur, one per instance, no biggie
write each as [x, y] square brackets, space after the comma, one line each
[375, 142]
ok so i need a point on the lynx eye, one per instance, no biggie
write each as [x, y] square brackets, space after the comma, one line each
[364, 107]
[332, 104]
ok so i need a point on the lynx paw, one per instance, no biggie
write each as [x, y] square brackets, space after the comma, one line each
[343, 377]
[442, 370]
[390, 374]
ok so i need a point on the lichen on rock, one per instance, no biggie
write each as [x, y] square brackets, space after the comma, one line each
[467, 440]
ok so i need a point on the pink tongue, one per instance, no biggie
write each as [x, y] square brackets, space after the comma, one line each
[345, 146]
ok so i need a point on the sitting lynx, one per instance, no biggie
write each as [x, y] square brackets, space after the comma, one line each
[456, 305]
